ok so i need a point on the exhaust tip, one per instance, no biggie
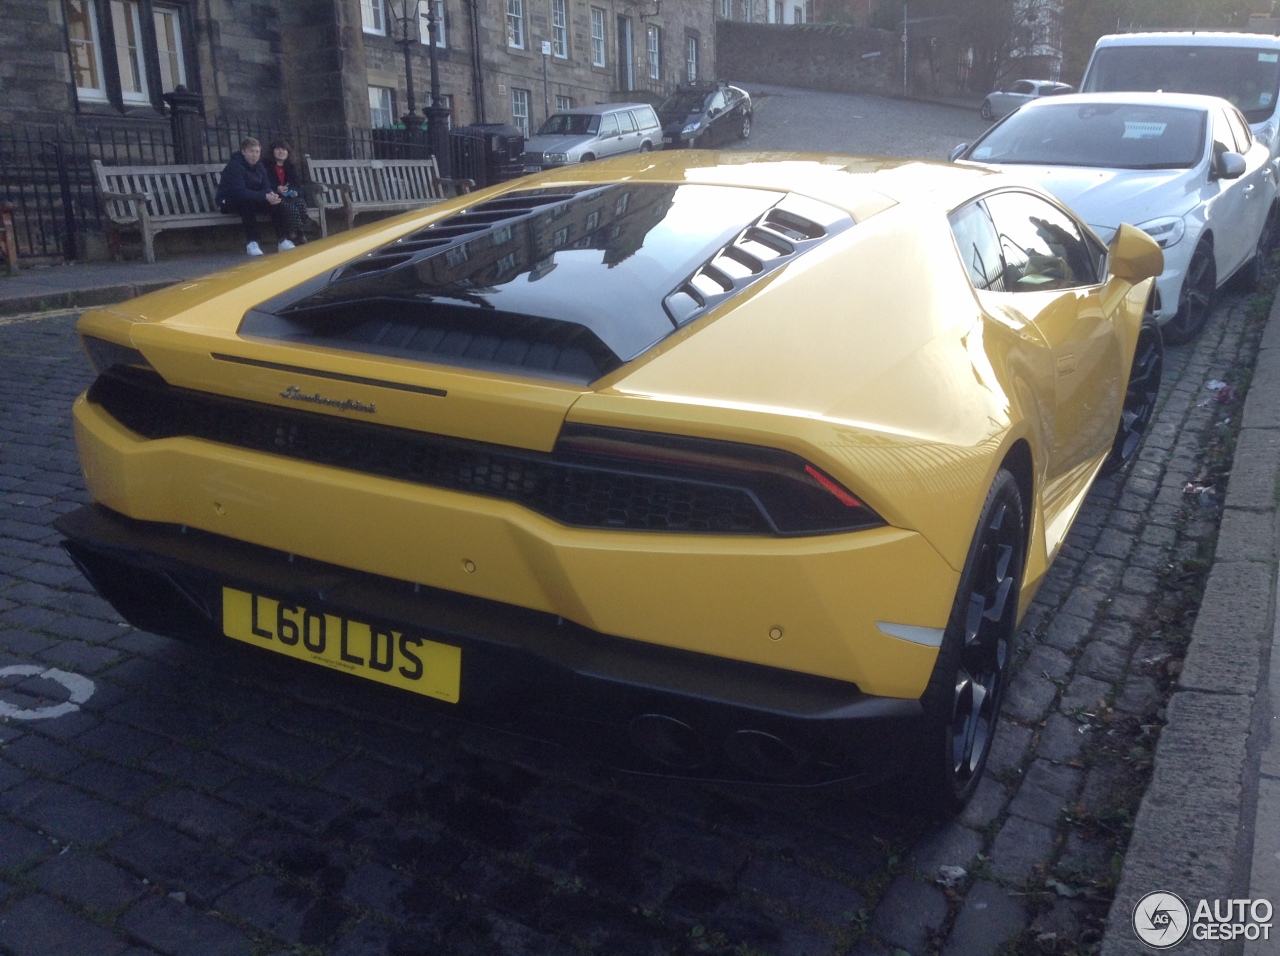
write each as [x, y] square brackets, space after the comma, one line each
[764, 754]
[670, 742]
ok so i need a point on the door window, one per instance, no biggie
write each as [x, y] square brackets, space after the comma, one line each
[1043, 247]
[608, 126]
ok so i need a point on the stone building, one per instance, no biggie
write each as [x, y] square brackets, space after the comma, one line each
[90, 62]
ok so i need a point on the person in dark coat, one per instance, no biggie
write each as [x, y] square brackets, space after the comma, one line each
[245, 189]
[284, 179]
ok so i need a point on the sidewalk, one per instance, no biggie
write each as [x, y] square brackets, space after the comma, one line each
[1209, 824]
[80, 285]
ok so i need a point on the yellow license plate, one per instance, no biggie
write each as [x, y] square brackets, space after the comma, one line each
[377, 653]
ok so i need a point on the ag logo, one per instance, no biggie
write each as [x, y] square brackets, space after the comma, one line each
[1161, 920]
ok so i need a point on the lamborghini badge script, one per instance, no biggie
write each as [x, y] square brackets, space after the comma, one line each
[295, 394]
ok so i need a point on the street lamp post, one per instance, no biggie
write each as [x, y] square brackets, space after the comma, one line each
[437, 112]
[407, 14]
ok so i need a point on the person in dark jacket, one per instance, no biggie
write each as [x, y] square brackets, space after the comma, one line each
[245, 189]
[284, 179]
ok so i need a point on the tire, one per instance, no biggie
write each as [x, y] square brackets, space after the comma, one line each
[985, 112]
[744, 131]
[1139, 397]
[645, 147]
[1195, 300]
[587, 157]
[962, 701]
[1249, 278]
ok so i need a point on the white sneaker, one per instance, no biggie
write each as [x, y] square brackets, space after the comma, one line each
[285, 244]
[253, 249]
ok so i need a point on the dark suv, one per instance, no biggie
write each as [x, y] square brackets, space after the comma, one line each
[705, 114]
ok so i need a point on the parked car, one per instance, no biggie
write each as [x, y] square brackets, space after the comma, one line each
[705, 114]
[1007, 99]
[667, 461]
[1241, 67]
[1182, 167]
[585, 133]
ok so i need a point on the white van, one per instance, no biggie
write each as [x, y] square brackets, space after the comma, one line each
[1241, 67]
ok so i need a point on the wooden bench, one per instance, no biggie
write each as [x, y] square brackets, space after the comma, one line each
[380, 185]
[156, 198]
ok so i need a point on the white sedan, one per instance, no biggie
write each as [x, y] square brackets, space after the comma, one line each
[1183, 168]
[1008, 98]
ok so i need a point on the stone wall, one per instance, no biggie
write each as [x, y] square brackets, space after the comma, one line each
[816, 56]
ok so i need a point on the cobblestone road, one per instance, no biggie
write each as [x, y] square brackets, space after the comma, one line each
[204, 799]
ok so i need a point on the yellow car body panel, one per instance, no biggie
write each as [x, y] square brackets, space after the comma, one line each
[823, 596]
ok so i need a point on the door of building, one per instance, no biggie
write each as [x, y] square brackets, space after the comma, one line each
[626, 55]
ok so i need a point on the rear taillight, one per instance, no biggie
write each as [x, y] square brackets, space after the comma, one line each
[795, 496]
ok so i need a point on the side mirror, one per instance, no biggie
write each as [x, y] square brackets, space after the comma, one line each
[957, 152]
[1134, 255]
[1229, 166]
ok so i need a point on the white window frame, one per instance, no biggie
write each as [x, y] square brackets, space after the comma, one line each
[520, 109]
[373, 17]
[173, 63]
[424, 28]
[126, 25]
[691, 59]
[515, 25]
[563, 103]
[91, 47]
[726, 9]
[560, 28]
[599, 52]
[653, 34]
[384, 108]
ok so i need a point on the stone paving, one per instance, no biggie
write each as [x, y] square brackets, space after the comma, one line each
[206, 799]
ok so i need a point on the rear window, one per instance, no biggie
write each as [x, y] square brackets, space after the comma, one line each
[645, 118]
[1249, 77]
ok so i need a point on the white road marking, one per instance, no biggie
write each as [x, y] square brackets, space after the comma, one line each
[80, 688]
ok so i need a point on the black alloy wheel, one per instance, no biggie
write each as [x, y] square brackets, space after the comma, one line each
[744, 131]
[985, 112]
[1139, 397]
[1195, 300]
[962, 702]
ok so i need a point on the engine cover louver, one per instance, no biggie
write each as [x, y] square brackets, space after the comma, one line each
[566, 283]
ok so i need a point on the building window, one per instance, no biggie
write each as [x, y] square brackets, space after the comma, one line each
[691, 59]
[655, 53]
[382, 108]
[424, 28]
[501, 235]
[560, 27]
[775, 12]
[372, 17]
[597, 37]
[563, 103]
[173, 68]
[798, 14]
[520, 110]
[561, 237]
[726, 9]
[515, 23]
[139, 78]
[86, 55]
[457, 255]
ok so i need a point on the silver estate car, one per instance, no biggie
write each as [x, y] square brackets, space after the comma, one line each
[585, 133]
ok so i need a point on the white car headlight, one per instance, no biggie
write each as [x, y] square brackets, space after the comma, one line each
[558, 159]
[691, 128]
[1166, 232]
